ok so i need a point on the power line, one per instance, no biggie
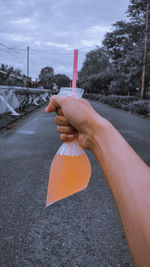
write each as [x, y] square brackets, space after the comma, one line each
[28, 61]
[56, 51]
[10, 49]
[22, 58]
[47, 50]
[35, 69]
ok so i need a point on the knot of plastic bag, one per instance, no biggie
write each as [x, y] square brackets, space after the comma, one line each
[68, 91]
[75, 150]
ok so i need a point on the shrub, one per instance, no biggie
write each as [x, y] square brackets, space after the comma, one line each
[139, 107]
[92, 96]
[125, 107]
[127, 103]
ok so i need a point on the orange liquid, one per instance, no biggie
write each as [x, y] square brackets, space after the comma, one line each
[68, 175]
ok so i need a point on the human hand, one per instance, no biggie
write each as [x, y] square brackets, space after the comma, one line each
[75, 119]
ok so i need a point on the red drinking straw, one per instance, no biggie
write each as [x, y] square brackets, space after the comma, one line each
[74, 81]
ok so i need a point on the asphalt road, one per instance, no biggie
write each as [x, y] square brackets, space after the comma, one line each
[81, 230]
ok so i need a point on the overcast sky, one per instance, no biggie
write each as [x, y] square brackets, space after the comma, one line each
[52, 29]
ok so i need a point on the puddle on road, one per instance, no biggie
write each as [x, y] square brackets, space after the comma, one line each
[20, 131]
[26, 132]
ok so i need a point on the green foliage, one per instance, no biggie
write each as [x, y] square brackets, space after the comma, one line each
[62, 80]
[30, 92]
[136, 10]
[116, 68]
[11, 76]
[124, 46]
[95, 74]
[46, 77]
[127, 103]
[92, 96]
[139, 107]
[113, 100]
[116, 101]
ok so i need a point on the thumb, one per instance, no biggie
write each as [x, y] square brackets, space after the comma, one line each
[54, 104]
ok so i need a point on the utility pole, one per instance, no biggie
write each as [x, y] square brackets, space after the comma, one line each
[27, 66]
[145, 50]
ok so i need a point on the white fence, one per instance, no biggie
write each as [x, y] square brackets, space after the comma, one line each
[11, 99]
[6, 87]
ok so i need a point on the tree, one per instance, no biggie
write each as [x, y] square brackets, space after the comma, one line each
[125, 46]
[95, 70]
[62, 80]
[117, 66]
[10, 76]
[137, 10]
[46, 77]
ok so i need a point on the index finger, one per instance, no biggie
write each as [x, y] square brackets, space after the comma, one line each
[59, 112]
[54, 104]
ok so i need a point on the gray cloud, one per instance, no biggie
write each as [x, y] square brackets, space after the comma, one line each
[53, 29]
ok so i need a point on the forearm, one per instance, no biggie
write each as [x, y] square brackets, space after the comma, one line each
[129, 180]
[127, 175]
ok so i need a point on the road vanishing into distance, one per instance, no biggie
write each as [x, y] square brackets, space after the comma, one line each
[81, 230]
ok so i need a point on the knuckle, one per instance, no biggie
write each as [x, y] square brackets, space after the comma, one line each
[65, 129]
[56, 119]
[61, 120]
[58, 129]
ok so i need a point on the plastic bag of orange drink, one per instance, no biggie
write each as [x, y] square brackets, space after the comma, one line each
[70, 170]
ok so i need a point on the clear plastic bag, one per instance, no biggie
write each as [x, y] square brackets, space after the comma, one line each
[70, 169]
[71, 148]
